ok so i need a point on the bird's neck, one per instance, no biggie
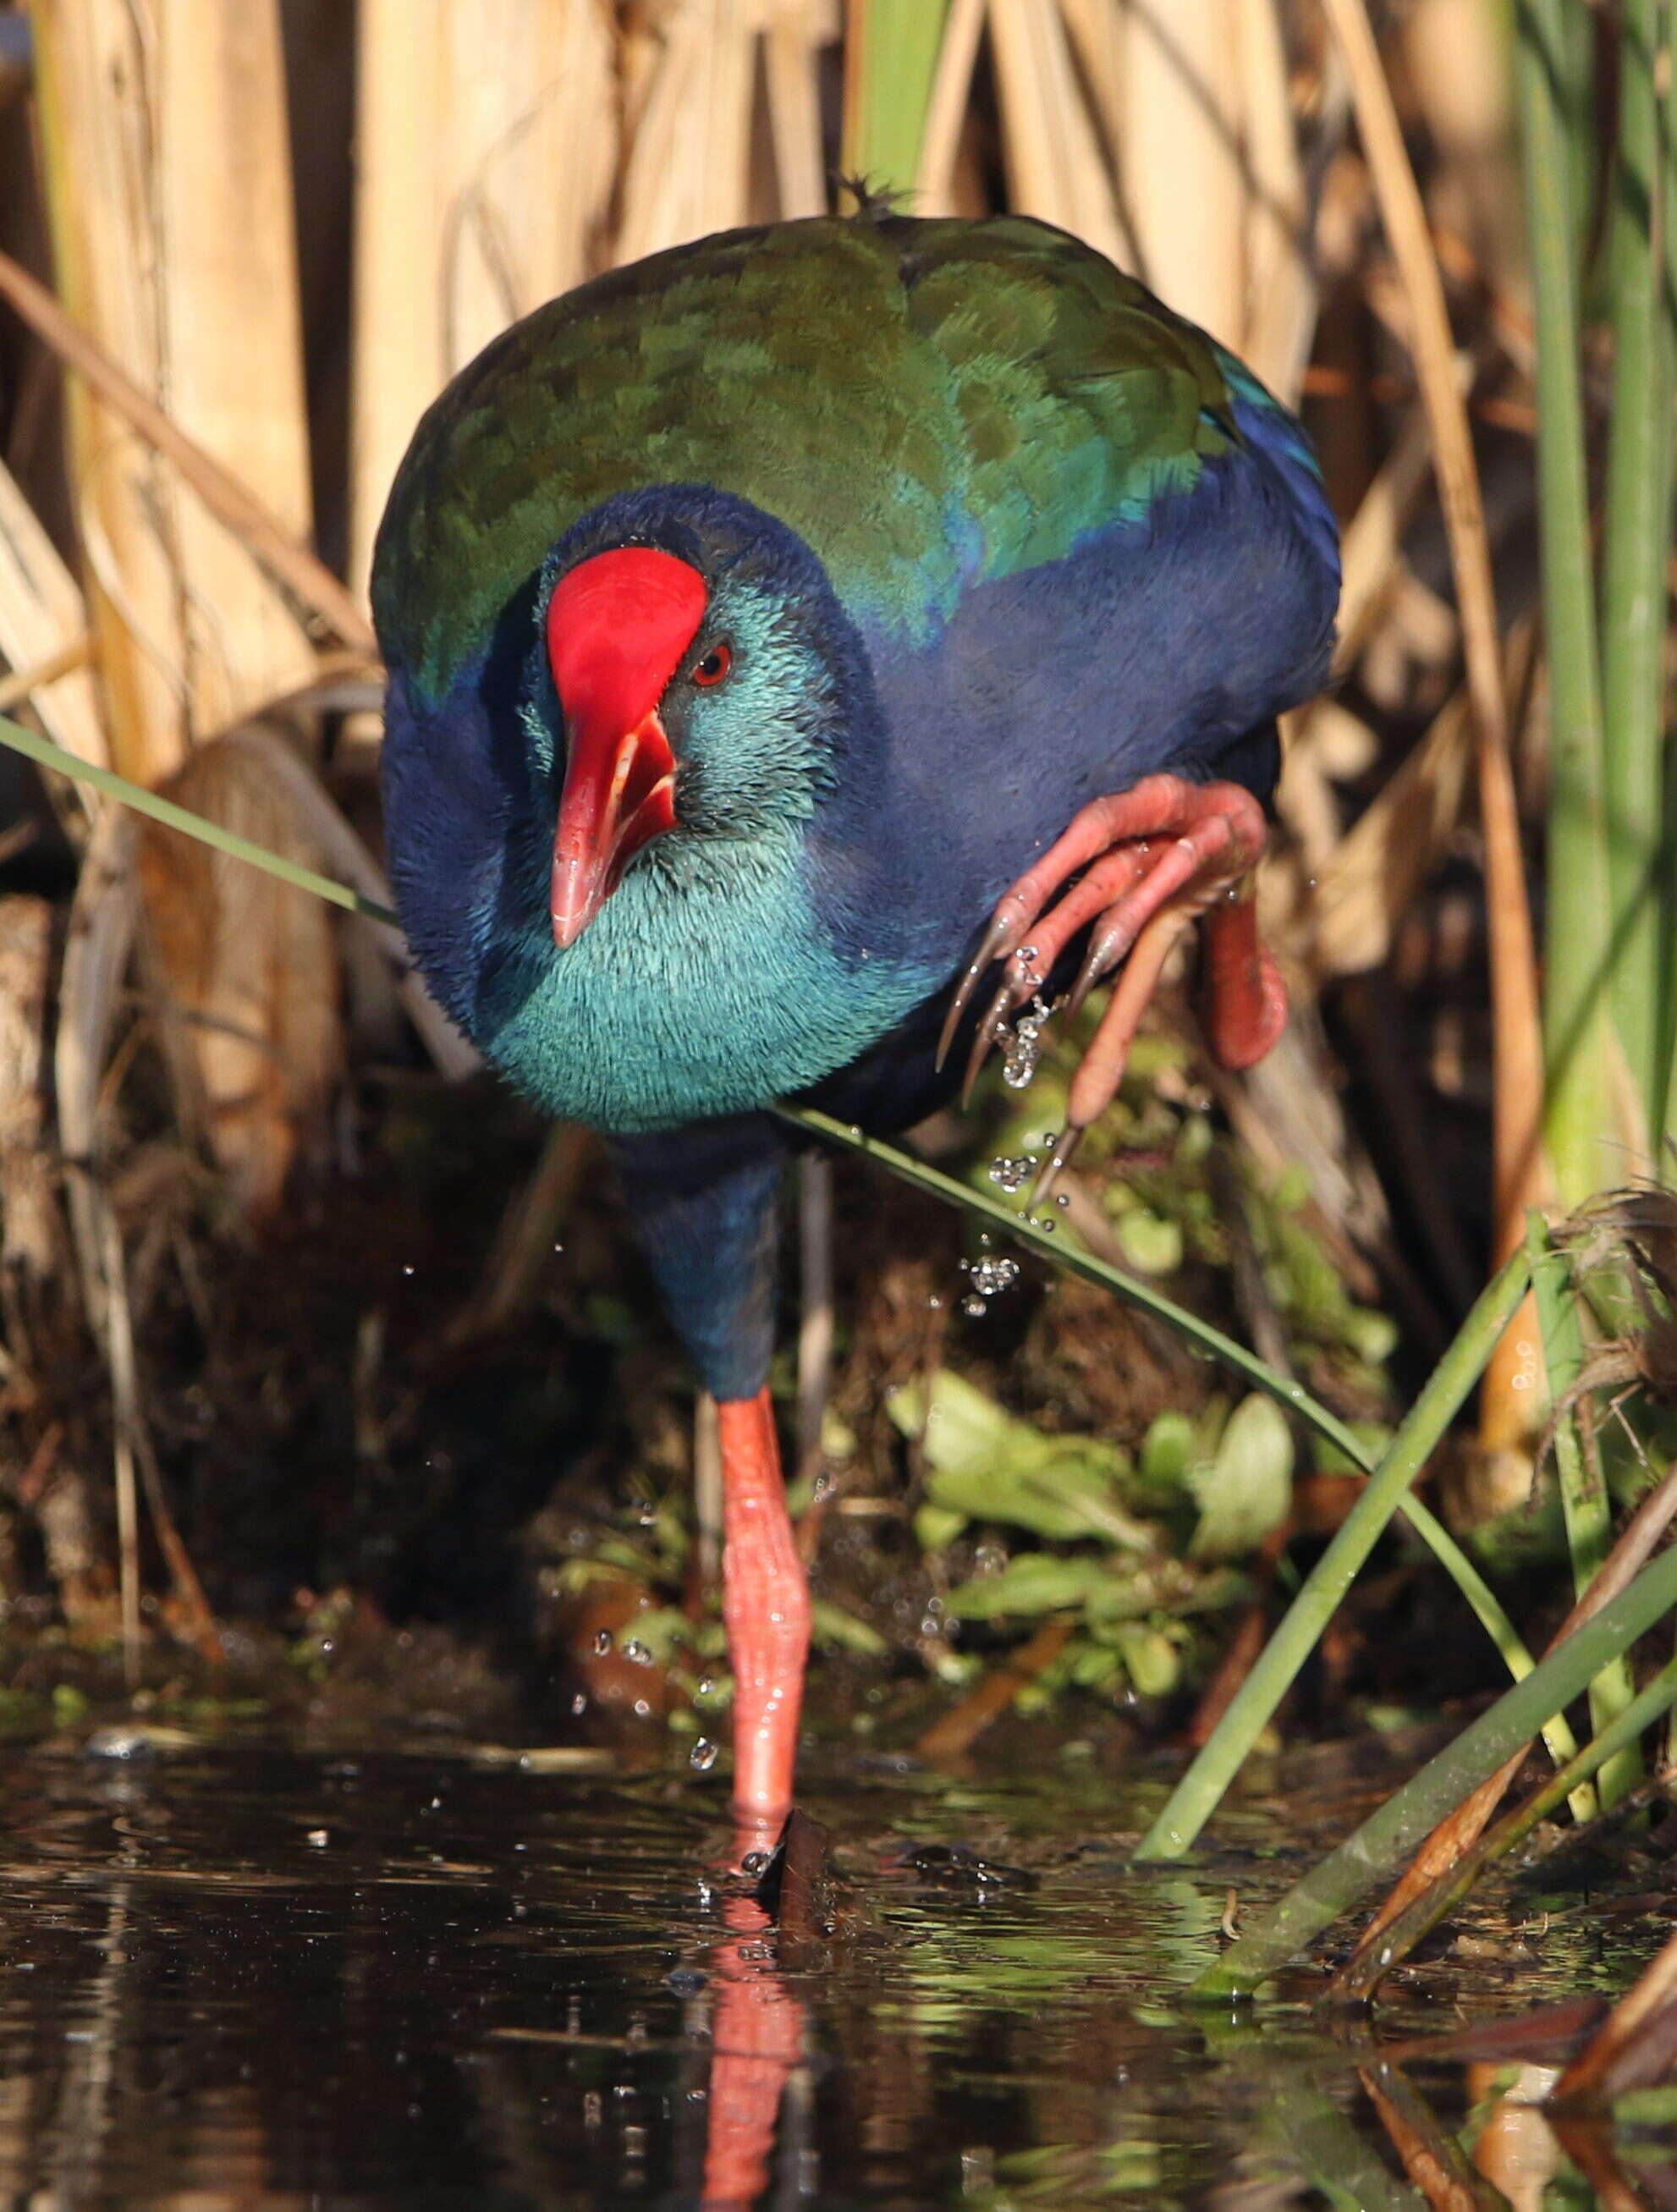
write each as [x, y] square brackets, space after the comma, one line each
[707, 984]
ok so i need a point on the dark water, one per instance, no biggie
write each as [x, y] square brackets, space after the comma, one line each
[251, 1977]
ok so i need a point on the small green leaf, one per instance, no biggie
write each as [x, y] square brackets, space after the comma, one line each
[935, 1526]
[1247, 1489]
[1151, 1659]
[1035, 1583]
[1166, 1450]
[835, 1630]
[985, 1466]
[1150, 1241]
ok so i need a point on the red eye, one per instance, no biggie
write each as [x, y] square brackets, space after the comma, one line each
[715, 665]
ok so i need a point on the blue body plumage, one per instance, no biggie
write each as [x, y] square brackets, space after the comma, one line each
[851, 804]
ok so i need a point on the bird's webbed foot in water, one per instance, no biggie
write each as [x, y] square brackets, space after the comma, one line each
[1136, 870]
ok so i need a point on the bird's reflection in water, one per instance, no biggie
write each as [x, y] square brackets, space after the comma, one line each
[757, 2044]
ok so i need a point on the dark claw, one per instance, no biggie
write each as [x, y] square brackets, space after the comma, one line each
[1105, 951]
[1065, 1145]
[999, 939]
[989, 1033]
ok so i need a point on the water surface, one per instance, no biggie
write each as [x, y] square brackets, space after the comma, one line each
[257, 1978]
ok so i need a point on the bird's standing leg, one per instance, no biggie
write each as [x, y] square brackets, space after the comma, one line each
[766, 1606]
[1153, 859]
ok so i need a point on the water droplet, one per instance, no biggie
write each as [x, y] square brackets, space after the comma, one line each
[1047, 1224]
[935, 1302]
[991, 1276]
[317, 1838]
[754, 1863]
[1013, 1174]
[975, 1308]
[1062, 1198]
[702, 1757]
[642, 1710]
[579, 1705]
[602, 1643]
[637, 1653]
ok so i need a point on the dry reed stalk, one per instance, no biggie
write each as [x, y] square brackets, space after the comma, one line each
[290, 564]
[44, 619]
[1365, 884]
[1455, 52]
[31, 1228]
[166, 157]
[251, 961]
[689, 169]
[319, 822]
[1055, 166]
[1184, 182]
[1279, 316]
[103, 917]
[794, 36]
[946, 108]
[1521, 1176]
[1636, 2045]
[231, 372]
[486, 141]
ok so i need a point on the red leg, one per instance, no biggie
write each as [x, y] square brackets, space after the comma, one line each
[766, 1605]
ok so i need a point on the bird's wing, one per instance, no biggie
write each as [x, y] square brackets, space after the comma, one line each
[928, 404]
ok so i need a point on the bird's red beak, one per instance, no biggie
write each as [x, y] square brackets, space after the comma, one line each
[617, 626]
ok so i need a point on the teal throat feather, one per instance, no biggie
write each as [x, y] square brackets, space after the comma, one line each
[705, 985]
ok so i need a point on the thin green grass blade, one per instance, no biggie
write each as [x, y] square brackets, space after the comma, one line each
[1621, 1735]
[1389, 1836]
[1201, 1790]
[45, 754]
[1577, 1123]
[1636, 538]
[1208, 1339]
[1583, 1496]
[890, 58]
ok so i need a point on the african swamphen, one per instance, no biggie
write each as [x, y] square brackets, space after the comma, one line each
[754, 616]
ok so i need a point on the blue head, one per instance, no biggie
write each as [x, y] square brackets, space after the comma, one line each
[600, 835]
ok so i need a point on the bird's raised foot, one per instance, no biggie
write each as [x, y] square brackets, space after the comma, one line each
[1135, 869]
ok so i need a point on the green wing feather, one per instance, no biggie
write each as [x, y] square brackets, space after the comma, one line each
[926, 403]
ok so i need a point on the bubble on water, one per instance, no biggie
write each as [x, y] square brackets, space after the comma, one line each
[703, 1755]
[642, 1710]
[935, 1302]
[975, 1308]
[602, 1642]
